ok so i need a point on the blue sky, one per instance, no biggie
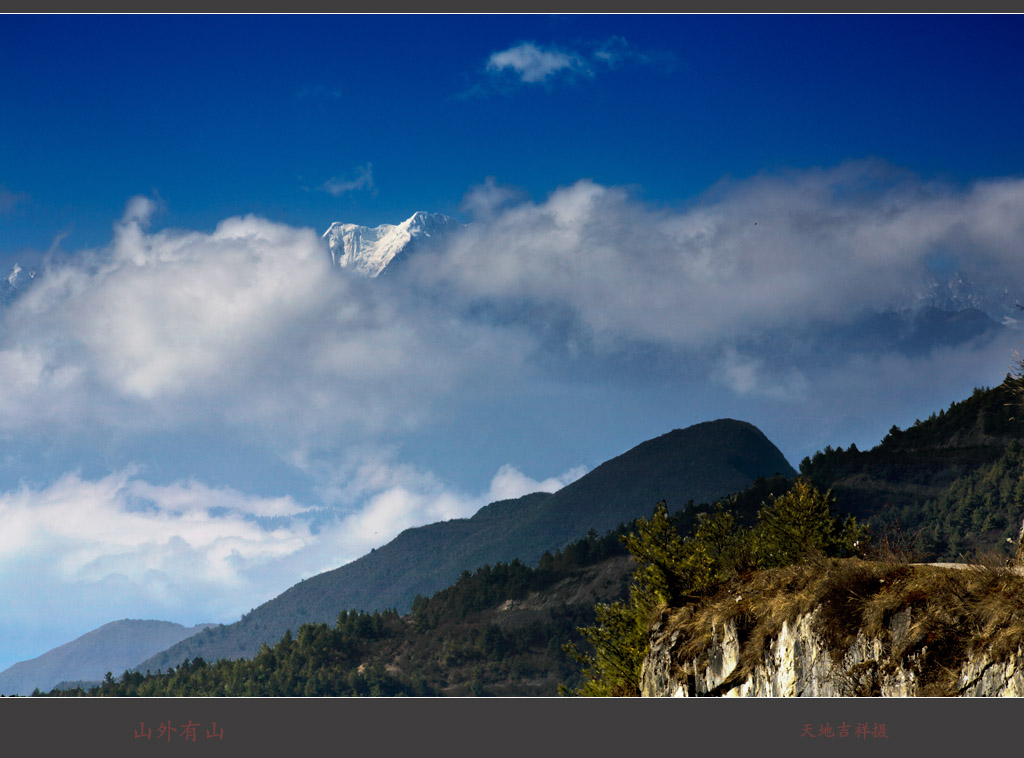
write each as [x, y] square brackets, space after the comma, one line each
[231, 115]
[672, 219]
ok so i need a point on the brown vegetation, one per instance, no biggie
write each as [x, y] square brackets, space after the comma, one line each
[954, 613]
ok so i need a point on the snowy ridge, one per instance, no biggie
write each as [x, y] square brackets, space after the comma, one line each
[369, 250]
[959, 294]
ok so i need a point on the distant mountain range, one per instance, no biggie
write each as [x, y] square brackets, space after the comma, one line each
[114, 647]
[700, 463]
[958, 293]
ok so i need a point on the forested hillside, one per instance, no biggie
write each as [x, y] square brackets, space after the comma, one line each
[499, 630]
[947, 488]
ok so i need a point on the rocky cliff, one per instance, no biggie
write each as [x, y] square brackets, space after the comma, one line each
[858, 629]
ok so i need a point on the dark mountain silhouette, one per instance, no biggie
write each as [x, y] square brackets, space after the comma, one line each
[700, 463]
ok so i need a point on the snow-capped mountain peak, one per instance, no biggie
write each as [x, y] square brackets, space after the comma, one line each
[369, 250]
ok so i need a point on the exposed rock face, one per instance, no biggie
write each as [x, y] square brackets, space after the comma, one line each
[798, 663]
[983, 678]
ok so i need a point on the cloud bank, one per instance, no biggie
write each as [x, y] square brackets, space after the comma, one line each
[248, 328]
[767, 253]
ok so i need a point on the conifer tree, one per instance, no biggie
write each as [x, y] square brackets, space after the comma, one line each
[803, 523]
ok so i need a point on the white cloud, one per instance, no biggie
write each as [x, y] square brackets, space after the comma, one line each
[530, 63]
[363, 179]
[748, 375]
[407, 497]
[194, 497]
[510, 483]
[380, 497]
[78, 553]
[488, 199]
[533, 63]
[139, 211]
[91, 530]
[768, 253]
[617, 51]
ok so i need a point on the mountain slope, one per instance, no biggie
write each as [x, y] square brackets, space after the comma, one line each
[112, 647]
[369, 250]
[944, 487]
[700, 463]
[500, 630]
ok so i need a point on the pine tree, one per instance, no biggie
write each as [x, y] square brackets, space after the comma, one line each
[803, 523]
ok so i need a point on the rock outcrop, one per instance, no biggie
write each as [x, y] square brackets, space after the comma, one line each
[798, 662]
